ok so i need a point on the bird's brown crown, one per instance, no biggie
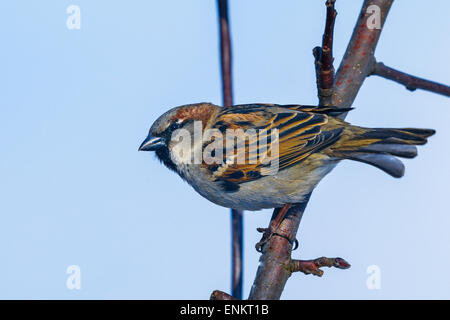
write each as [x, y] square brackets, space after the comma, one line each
[179, 115]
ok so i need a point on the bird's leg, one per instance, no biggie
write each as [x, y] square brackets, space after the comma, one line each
[280, 216]
[273, 227]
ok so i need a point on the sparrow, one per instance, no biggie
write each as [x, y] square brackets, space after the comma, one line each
[309, 141]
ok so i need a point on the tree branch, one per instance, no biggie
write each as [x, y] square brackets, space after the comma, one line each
[276, 264]
[227, 95]
[272, 273]
[356, 65]
[409, 81]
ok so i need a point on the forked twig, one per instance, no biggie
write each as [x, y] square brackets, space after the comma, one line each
[313, 266]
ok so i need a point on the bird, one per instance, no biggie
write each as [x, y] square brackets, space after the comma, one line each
[284, 151]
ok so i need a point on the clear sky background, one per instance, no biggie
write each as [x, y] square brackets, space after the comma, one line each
[76, 104]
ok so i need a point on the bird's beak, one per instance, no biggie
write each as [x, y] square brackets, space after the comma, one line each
[152, 143]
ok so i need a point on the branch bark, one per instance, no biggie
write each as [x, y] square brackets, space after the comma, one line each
[273, 271]
[227, 95]
[409, 81]
[356, 65]
[358, 59]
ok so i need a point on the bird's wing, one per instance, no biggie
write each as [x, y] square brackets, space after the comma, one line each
[297, 134]
[328, 110]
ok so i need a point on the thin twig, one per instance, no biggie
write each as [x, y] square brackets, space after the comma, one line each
[313, 266]
[227, 94]
[237, 253]
[225, 53]
[324, 58]
[409, 81]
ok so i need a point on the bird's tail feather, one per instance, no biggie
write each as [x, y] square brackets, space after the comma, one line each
[380, 147]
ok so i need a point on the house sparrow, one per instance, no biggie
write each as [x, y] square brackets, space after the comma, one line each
[309, 140]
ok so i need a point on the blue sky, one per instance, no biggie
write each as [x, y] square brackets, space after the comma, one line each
[75, 105]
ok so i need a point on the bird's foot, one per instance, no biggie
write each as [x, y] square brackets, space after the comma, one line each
[278, 215]
[268, 233]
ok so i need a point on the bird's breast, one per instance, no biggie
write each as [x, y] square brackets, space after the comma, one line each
[290, 185]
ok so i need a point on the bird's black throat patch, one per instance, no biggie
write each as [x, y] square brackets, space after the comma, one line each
[164, 156]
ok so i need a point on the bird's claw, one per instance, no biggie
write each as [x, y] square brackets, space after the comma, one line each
[267, 235]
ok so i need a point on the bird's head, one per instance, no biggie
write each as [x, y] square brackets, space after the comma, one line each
[182, 117]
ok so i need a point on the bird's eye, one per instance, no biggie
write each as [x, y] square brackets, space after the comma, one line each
[175, 125]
